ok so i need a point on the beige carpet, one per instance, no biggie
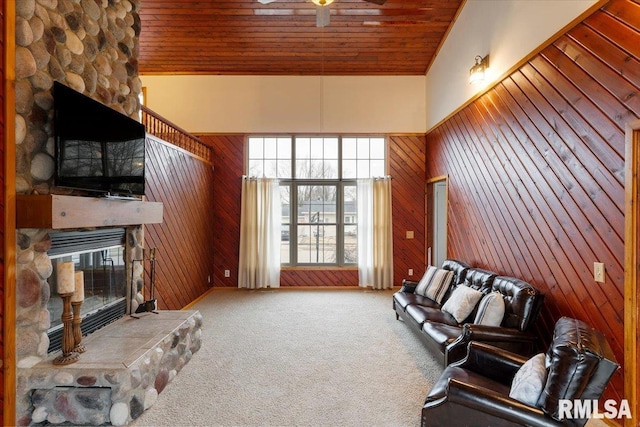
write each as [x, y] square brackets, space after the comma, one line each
[299, 358]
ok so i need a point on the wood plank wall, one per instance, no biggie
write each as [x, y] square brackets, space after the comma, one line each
[536, 169]
[406, 163]
[2, 198]
[185, 250]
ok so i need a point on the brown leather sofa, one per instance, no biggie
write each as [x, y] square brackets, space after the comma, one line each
[476, 390]
[444, 336]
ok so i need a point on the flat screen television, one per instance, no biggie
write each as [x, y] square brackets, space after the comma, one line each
[96, 148]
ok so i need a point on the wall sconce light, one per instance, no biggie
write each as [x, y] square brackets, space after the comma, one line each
[477, 72]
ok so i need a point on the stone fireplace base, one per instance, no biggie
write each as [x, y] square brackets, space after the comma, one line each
[126, 365]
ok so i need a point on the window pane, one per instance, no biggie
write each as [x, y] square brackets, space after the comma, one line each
[317, 204]
[349, 169]
[285, 241]
[331, 148]
[330, 169]
[363, 148]
[316, 244]
[350, 208]
[349, 148]
[270, 168]
[284, 148]
[303, 169]
[255, 168]
[303, 148]
[284, 168]
[350, 244]
[317, 148]
[316, 170]
[377, 168]
[363, 169]
[285, 238]
[255, 148]
[270, 148]
[377, 148]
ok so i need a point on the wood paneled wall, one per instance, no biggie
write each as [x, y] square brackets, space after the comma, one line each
[2, 198]
[536, 169]
[185, 247]
[406, 164]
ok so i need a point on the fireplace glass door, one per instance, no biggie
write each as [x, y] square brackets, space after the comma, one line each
[104, 273]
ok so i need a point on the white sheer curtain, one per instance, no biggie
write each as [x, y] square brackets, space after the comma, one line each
[260, 218]
[375, 233]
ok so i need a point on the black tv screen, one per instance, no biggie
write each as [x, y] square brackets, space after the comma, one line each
[97, 148]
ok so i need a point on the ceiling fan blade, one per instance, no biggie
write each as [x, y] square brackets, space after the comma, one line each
[380, 2]
[323, 16]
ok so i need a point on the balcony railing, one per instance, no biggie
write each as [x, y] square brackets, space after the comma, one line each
[157, 125]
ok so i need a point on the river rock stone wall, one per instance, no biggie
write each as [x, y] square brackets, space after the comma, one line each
[88, 45]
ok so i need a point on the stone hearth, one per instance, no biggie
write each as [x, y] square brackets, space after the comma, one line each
[126, 365]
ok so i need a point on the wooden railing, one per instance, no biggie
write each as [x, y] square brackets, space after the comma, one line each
[157, 125]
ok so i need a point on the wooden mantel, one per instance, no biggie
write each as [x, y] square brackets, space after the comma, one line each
[54, 211]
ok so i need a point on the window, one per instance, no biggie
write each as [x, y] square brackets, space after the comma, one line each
[318, 190]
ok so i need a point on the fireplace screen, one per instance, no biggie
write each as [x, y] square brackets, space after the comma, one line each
[102, 260]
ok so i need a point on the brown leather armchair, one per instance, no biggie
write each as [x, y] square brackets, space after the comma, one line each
[475, 391]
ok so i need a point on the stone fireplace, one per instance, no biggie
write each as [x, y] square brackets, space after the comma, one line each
[91, 46]
[129, 359]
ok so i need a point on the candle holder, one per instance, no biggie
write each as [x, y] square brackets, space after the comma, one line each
[68, 356]
[77, 329]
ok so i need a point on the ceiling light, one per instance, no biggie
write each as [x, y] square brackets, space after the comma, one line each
[322, 2]
[477, 72]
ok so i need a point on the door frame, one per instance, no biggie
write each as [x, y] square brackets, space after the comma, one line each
[631, 263]
[429, 218]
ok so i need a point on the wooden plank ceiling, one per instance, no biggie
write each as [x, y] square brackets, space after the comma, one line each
[245, 37]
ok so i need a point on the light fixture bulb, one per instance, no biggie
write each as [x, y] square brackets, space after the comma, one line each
[477, 72]
[322, 2]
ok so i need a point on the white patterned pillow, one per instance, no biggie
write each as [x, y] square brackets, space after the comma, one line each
[423, 284]
[529, 381]
[462, 301]
[490, 310]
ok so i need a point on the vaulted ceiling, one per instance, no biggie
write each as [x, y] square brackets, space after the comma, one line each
[246, 37]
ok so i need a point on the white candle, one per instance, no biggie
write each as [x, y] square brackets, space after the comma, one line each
[78, 294]
[66, 279]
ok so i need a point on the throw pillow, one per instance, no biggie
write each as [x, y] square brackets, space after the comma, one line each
[439, 285]
[529, 381]
[462, 301]
[490, 310]
[421, 288]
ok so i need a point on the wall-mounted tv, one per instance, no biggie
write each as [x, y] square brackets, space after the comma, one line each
[97, 148]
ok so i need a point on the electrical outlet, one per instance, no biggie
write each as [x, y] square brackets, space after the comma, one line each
[598, 272]
[411, 272]
[227, 273]
[409, 234]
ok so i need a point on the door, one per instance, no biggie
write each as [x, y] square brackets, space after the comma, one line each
[631, 276]
[439, 232]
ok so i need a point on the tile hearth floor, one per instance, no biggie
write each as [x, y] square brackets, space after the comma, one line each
[120, 344]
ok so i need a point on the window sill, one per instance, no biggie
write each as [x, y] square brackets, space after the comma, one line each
[319, 267]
